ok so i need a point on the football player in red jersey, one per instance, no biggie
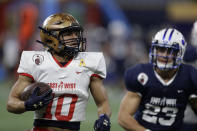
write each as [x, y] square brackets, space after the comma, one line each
[70, 71]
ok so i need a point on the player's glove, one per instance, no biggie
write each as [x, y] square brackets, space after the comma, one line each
[103, 123]
[36, 102]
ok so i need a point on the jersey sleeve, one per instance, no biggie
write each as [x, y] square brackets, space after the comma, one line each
[131, 81]
[101, 67]
[24, 66]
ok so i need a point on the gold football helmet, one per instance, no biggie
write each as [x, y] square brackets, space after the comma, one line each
[53, 30]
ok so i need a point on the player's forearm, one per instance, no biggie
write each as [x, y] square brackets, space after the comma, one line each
[104, 108]
[129, 123]
[15, 106]
[193, 103]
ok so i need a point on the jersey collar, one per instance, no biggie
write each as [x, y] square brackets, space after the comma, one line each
[162, 81]
[62, 66]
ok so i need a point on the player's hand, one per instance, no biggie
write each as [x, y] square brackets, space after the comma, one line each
[36, 102]
[103, 123]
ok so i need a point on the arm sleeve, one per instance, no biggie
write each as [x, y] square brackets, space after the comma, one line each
[131, 81]
[24, 67]
[101, 67]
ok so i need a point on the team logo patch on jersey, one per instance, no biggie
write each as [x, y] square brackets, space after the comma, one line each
[142, 78]
[38, 59]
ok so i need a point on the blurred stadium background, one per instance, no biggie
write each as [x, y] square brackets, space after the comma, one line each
[121, 29]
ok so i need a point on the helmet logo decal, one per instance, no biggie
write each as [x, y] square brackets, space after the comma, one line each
[38, 59]
[58, 22]
[142, 78]
[82, 63]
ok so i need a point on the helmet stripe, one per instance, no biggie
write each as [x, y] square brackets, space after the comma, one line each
[183, 42]
[171, 35]
[165, 34]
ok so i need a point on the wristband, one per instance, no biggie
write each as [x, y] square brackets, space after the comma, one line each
[147, 130]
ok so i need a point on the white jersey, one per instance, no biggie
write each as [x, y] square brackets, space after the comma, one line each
[70, 83]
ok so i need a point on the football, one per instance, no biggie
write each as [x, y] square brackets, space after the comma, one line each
[30, 88]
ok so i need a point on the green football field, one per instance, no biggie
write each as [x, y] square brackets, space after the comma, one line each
[21, 122]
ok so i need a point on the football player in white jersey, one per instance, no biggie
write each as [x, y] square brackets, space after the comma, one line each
[69, 71]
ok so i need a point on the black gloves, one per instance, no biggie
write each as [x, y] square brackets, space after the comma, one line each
[103, 123]
[36, 102]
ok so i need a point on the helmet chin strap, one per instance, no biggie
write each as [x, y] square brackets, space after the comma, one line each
[62, 55]
[66, 54]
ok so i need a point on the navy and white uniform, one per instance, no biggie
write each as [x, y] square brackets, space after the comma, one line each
[162, 104]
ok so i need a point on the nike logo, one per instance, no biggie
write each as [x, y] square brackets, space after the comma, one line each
[77, 72]
[179, 91]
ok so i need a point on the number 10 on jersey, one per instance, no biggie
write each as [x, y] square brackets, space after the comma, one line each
[59, 105]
